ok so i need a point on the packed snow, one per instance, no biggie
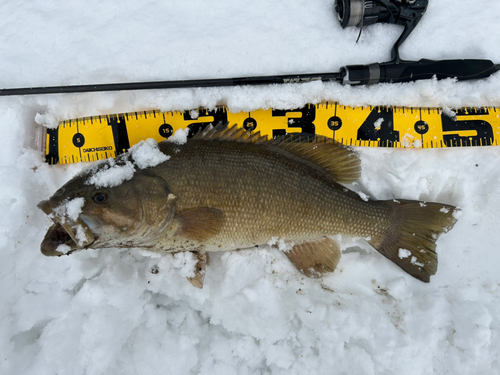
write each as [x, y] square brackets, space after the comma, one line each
[185, 262]
[131, 312]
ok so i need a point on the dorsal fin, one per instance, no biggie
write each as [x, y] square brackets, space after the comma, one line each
[338, 160]
[341, 162]
[221, 132]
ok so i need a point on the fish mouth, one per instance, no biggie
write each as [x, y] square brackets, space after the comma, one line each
[65, 236]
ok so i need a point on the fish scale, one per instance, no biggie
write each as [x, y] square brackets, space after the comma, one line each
[262, 197]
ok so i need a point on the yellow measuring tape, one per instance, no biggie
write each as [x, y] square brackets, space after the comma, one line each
[100, 137]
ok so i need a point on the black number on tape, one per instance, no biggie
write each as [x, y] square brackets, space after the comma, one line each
[249, 124]
[379, 126]
[334, 123]
[305, 123]
[166, 130]
[219, 116]
[78, 140]
[421, 127]
[484, 131]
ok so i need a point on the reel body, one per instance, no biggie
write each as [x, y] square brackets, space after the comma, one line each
[361, 13]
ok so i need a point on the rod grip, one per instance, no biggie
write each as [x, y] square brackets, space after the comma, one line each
[407, 71]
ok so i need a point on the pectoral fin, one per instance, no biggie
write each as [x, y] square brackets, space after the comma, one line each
[200, 269]
[315, 258]
[200, 224]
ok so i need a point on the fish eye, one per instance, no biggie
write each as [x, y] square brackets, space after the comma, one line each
[100, 197]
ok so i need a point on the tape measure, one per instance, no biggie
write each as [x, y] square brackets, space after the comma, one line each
[100, 137]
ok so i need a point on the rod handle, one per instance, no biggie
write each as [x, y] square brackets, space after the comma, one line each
[407, 71]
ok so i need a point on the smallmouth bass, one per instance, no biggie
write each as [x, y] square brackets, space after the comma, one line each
[227, 189]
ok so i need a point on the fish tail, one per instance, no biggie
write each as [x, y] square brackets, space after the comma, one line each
[410, 242]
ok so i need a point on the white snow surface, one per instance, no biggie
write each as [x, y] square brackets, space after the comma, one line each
[129, 312]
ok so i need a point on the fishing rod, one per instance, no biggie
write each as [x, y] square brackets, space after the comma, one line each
[358, 13]
[390, 72]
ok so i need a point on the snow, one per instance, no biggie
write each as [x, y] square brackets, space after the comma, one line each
[404, 253]
[112, 174]
[63, 249]
[194, 113]
[179, 137]
[450, 113]
[81, 236]
[414, 261]
[130, 312]
[363, 196]
[281, 244]
[146, 154]
[408, 140]
[74, 208]
[378, 123]
[185, 262]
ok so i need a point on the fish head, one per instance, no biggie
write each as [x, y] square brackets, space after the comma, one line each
[132, 214]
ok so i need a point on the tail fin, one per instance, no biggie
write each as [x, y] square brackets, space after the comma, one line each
[411, 241]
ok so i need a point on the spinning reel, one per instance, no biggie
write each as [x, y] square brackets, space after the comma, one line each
[368, 12]
[407, 13]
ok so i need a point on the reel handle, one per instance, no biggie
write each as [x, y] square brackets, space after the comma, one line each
[407, 71]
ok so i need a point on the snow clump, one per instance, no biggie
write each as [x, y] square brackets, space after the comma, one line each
[146, 154]
[112, 175]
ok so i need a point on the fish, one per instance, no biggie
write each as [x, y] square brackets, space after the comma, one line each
[227, 188]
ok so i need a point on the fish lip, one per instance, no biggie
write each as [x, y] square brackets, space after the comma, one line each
[64, 234]
[73, 233]
[56, 236]
[45, 206]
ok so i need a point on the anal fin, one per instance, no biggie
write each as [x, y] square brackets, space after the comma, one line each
[199, 270]
[314, 258]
